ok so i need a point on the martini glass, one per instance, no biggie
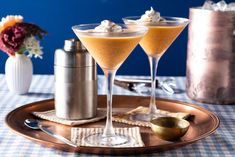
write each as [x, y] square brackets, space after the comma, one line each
[156, 41]
[109, 50]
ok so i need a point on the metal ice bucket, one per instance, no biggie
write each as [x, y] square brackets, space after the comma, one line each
[210, 74]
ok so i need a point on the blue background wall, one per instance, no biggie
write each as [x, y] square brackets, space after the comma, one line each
[57, 17]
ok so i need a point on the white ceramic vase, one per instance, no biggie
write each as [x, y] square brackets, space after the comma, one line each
[18, 73]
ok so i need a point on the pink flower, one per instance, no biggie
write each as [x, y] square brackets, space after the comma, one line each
[11, 39]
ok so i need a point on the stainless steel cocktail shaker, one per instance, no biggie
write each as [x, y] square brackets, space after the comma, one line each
[75, 82]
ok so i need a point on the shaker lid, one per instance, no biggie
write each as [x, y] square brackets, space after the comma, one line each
[73, 55]
[74, 44]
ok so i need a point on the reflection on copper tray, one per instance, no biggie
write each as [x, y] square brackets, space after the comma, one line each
[203, 125]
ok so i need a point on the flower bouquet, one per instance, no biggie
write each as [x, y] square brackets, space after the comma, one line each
[17, 36]
[20, 40]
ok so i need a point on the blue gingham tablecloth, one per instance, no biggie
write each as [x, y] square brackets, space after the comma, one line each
[221, 143]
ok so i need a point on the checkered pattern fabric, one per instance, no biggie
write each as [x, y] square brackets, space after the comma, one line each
[221, 143]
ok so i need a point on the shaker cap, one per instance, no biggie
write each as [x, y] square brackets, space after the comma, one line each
[74, 44]
[73, 55]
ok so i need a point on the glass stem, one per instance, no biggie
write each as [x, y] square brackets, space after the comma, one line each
[153, 61]
[108, 130]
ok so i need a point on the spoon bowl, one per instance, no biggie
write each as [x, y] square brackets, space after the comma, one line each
[36, 125]
[32, 123]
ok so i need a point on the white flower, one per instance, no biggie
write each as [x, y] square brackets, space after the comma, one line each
[32, 45]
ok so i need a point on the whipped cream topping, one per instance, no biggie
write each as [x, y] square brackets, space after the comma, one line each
[150, 16]
[108, 26]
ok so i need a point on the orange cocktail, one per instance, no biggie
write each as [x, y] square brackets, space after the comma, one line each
[161, 34]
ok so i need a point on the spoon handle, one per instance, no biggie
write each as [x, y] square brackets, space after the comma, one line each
[57, 136]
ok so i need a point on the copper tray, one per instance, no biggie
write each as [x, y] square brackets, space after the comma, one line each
[204, 124]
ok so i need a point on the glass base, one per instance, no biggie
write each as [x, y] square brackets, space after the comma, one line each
[98, 140]
[143, 117]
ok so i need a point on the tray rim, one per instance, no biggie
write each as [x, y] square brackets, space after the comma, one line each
[65, 147]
